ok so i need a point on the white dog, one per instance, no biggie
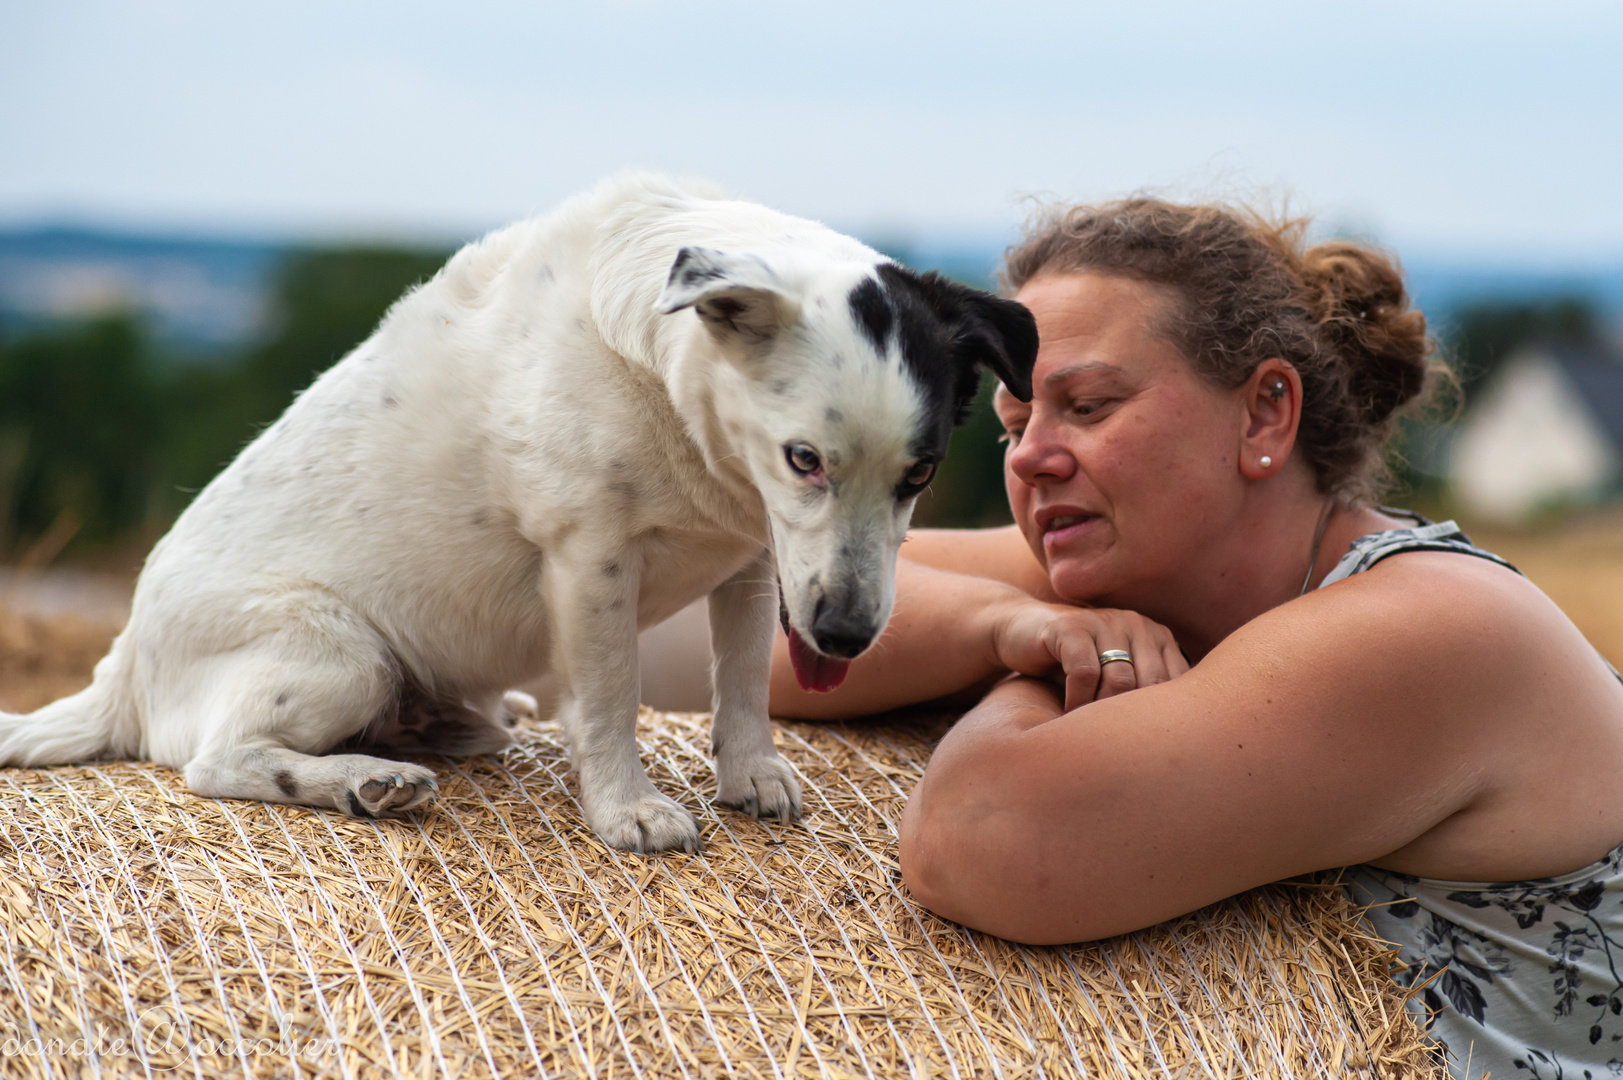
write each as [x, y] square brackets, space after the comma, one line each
[539, 452]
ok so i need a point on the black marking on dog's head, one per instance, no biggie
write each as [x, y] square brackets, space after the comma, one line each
[287, 785]
[946, 332]
[873, 313]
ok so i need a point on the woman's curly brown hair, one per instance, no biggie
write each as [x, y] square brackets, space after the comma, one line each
[1250, 289]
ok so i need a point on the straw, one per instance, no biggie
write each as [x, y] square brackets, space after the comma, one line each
[148, 932]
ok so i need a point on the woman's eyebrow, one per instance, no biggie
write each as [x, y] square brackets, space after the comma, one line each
[1076, 369]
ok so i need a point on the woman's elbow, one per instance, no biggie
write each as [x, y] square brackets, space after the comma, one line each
[991, 864]
[960, 875]
[925, 868]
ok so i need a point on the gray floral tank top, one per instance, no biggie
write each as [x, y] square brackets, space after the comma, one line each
[1512, 978]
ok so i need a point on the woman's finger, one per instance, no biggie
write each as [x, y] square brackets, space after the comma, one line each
[1118, 673]
[1149, 664]
[1078, 653]
[1176, 663]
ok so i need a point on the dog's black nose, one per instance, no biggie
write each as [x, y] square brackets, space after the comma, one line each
[841, 634]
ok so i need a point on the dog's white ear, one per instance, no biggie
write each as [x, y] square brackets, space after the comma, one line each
[738, 297]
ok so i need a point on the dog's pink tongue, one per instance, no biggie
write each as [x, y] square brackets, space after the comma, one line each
[813, 670]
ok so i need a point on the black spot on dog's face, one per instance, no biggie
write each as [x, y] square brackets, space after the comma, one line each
[834, 416]
[945, 333]
[281, 699]
[287, 785]
[611, 569]
[873, 313]
[389, 401]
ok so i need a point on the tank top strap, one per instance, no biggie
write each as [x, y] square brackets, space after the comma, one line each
[1426, 535]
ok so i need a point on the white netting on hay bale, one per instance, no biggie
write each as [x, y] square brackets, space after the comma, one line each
[151, 932]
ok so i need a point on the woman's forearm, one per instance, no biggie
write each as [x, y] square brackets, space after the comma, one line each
[939, 642]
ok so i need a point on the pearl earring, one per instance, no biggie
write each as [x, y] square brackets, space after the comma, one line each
[1266, 461]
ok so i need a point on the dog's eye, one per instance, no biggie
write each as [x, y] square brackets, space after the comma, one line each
[802, 458]
[914, 479]
[919, 474]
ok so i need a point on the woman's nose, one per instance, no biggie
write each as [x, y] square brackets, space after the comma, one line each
[1039, 455]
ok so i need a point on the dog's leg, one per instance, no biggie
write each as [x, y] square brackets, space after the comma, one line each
[265, 710]
[750, 775]
[354, 783]
[593, 596]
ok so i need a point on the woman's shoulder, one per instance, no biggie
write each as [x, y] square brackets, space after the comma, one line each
[1421, 612]
[1468, 670]
[1376, 534]
[1430, 586]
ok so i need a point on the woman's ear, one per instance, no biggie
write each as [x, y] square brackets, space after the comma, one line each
[1272, 398]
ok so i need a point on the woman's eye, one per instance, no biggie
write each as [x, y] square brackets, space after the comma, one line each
[1011, 437]
[802, 458]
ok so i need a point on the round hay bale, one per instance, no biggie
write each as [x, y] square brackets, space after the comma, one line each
[147, 931]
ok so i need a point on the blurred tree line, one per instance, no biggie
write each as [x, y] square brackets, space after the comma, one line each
[103, 440]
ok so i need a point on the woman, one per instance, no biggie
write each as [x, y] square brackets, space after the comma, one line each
[1366, 690]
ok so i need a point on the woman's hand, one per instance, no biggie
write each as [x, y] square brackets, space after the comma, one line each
[1064, 644]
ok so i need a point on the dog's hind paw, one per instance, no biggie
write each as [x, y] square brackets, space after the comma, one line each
[405, 787]
[517, 709]
[762, 787]
[647, 824]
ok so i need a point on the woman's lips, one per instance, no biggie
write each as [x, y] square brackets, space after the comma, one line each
[1061, 529]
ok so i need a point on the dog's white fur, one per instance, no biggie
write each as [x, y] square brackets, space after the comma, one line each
[531, 459]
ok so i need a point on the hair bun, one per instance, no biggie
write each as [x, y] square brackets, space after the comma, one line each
[1363, 313]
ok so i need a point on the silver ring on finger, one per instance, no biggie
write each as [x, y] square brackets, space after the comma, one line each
[1111, 656]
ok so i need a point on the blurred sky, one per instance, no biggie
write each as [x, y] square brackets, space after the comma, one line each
[1475, 128]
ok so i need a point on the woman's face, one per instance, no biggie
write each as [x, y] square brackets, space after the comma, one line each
[1124, 464]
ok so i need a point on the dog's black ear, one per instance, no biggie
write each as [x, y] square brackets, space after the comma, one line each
[738, 297]
[1007, 344]
[996, 334]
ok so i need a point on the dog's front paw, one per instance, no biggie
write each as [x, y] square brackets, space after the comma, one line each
[646, 824]
[762, 787]
[386, 793]
[517, 709]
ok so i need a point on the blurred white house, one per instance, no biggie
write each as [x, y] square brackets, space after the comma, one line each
[1546, 430]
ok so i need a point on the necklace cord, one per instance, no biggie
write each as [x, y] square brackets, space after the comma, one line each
[1318, 538]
